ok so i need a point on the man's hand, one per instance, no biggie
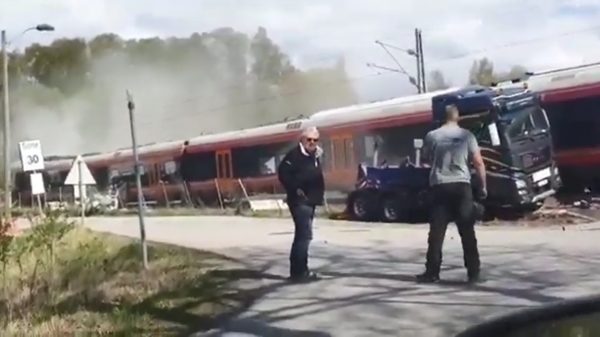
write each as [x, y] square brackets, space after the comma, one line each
[482, 193]
[300, 193]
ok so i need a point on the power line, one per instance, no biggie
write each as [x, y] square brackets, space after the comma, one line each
[517, 43]
[297, 92]
[513, 9]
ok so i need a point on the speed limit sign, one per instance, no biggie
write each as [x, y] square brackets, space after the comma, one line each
[32, 158]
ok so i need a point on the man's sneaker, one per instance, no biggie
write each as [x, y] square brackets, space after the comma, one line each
[428, 278]
[304, 278]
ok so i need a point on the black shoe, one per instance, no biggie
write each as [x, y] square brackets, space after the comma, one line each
[304, 278]
[428, 278]
[474, 277]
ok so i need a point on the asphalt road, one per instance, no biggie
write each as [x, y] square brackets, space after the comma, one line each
[369, 288]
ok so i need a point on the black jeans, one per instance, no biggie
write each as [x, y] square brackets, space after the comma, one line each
[452, 201]
[303, 216]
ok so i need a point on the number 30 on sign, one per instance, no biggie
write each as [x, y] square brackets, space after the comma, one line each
[32, 158]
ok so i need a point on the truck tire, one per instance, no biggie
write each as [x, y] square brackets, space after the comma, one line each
[394, 207]
[361, 205]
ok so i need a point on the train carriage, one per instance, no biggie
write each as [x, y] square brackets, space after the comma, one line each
[384, 131]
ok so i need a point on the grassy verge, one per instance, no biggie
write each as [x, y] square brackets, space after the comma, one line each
[321, 212]
[62, 280]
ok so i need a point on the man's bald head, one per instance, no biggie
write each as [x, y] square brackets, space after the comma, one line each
[452, 114]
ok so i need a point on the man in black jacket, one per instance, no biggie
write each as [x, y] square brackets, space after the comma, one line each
[302, 178]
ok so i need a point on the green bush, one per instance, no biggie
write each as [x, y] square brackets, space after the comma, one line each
[61, 279]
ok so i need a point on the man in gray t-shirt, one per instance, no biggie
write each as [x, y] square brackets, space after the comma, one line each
[451, 150]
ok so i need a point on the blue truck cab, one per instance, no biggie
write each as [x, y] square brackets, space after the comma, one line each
[513, 133]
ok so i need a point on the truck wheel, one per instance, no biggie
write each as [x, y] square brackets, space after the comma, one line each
[361, 205]
[394, 207]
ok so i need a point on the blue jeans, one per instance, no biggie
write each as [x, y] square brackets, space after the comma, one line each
[303, 216]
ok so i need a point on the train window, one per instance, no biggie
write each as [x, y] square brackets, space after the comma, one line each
[53, 178]
[348, 153]
[338, 154]
[369, 146]
[169, 172]
[326, 158]
[21, 181]
[268, 166]
[170, 167]
[114, 173]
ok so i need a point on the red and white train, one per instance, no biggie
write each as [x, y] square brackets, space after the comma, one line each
[571, 98]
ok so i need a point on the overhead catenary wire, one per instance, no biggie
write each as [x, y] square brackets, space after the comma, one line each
[321, 59]
[186, 114]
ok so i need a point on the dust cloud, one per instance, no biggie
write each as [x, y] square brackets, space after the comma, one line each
[172, 103]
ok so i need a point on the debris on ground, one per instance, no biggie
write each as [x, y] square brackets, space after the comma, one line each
[554, 212]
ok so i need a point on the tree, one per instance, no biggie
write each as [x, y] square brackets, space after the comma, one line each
[482, 72]
[208, 82]
[516, 72]
[437, 81]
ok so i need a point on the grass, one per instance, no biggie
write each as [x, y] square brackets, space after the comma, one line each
[334, 211]
[91, 283]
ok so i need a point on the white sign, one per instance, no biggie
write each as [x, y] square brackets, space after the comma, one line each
[86, 176]
[37, 183]
[32, 158]
[418, 143]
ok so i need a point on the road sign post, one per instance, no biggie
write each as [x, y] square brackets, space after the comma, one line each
[32, 160]
[80, 176]
[138, 179]
[80, 187]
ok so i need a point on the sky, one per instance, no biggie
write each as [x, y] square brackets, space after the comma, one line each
[538, 35]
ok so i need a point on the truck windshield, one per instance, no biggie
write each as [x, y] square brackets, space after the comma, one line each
[477, 126]
[525, 123]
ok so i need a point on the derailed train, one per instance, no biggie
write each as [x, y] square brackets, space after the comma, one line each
[212, 164]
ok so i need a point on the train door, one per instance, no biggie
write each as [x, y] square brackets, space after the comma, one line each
[343, 161]
[224, 171]
[153, 174]
[151, 180]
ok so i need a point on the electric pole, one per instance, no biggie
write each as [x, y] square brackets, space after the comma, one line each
[417, 53]
[44, 27]
[418, 59]
[421, 58]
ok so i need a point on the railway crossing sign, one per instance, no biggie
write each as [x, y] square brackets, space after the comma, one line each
[32, 157]
[79, 173]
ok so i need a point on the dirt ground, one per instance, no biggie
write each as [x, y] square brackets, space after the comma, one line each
[572, 210]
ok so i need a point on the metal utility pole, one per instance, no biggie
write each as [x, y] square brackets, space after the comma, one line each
[138, 179]
[418, 59]
[417, 53]
[421, 58]
[6, 130]
[44, 27]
